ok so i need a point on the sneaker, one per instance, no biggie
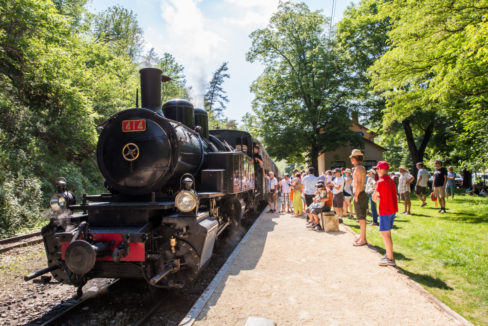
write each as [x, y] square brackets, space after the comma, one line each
[423, 204]
[373, 223]
[317, 228]
[387, 262]
[311, 226]
[442, 211]
[308, 223]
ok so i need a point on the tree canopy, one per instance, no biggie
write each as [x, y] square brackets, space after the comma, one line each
[298, 102]
[436, 64]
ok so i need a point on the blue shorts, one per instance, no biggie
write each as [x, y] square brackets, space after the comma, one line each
[386, 222]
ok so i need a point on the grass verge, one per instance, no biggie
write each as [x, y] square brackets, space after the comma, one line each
[446, 253]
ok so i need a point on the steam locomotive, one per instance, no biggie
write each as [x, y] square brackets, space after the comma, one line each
[173, 186]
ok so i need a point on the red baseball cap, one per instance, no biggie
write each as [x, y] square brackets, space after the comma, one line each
[382, 165]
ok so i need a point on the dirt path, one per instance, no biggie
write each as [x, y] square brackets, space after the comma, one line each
[294, 276]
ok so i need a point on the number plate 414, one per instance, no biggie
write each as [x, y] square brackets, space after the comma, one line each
[133, 125]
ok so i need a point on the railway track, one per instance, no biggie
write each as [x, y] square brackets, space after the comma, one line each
[124, 302]
[20, 241]
[78, 304]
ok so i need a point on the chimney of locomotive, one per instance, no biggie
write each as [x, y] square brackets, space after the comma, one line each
[151, 89]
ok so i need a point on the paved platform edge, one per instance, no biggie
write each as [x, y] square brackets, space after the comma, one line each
[197, 308]
[440, 305]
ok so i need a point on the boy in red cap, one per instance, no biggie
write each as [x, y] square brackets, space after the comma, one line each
[387, 195]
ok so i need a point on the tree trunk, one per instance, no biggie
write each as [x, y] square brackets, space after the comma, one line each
[467, 179]
[314, 158]
[417, 154]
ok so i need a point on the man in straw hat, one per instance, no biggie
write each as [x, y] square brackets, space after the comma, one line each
[387, 195]
[360, 197]
[404, 188]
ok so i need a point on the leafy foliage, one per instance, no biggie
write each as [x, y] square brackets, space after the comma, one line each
[117, 27]
[435, 63]
[298, 101]
[58, 81]
[215, 98]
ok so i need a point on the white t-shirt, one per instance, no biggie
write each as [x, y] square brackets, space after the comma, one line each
[272, 183]
[285, 186]
[309, 182]
[338, 181]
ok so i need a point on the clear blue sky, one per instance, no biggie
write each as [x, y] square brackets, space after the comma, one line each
[202, 34]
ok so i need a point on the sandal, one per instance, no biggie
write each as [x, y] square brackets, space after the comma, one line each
[360, 244]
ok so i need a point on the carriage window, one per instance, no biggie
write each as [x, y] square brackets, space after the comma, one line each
[338, 164]
[242, 148]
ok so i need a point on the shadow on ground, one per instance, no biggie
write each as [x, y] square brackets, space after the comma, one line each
[426, 280]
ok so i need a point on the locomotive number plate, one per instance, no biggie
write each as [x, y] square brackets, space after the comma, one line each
[133, 125]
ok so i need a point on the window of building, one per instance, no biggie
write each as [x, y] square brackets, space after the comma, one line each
[337, 164]
[368, 164]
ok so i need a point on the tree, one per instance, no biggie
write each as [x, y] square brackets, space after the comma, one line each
[435, 64]
[176, 87]
[118, 28]
[298, 98]
[215, 99]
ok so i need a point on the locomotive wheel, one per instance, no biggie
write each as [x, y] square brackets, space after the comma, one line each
[184, 256]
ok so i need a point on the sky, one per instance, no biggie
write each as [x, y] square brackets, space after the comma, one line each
[202, 34]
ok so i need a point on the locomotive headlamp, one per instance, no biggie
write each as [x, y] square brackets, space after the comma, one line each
[57, 202]
[186, 201]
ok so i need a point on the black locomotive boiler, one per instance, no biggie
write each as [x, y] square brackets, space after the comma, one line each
[173, 187]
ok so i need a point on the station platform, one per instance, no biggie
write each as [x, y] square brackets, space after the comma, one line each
[290, 275]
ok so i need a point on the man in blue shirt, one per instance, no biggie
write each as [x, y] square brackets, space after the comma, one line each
[422, 181]
[308, 184]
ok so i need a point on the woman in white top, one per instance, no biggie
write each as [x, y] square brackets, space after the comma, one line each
[338, 194]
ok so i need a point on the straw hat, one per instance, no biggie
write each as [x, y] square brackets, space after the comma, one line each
[403, 167]
[356, 152]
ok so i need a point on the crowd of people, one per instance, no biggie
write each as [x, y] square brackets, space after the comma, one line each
[376, 191]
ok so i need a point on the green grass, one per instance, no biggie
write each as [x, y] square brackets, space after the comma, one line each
[446, 253]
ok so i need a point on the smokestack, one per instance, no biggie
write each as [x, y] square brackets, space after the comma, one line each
[151, 89]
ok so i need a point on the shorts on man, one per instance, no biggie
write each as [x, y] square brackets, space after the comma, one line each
[386, 222]
[309, 199]
[439, 192]
[285, 197]
[338, 200]
[419, 190]
[361, 206]
[271, 197]
[405, 195]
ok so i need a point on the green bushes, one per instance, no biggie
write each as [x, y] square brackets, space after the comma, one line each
[21, 203]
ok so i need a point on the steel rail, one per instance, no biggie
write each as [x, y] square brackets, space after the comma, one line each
[78, 304]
